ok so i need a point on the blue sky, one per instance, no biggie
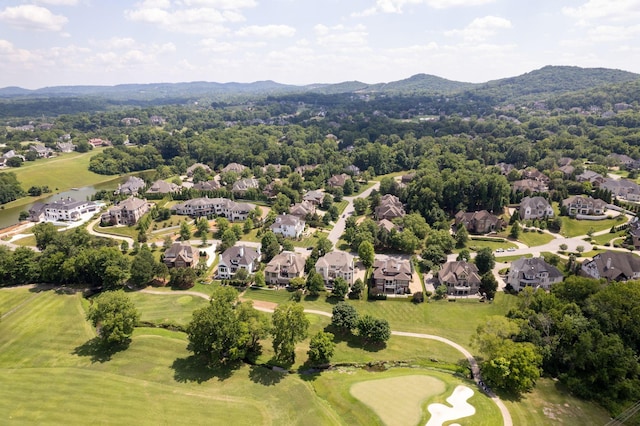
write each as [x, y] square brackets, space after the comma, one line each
[72, 42]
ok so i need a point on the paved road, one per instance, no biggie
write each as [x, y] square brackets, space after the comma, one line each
[338, 228]
[475, 369]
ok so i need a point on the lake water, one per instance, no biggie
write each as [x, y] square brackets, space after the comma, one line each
[9, 216]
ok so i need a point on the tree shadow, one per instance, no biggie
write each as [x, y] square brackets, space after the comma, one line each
[354, 341]
[265, 376]
[98, 350]
[193, 369]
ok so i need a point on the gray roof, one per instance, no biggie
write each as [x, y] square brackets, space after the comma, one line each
[535, 265]
[239, 255]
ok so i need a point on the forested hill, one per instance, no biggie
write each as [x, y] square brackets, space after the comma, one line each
[544, 84]
[549, 81]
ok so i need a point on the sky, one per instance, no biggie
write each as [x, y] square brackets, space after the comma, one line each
[107, 42]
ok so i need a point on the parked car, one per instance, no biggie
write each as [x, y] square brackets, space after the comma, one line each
[500, 250]
[511, 249]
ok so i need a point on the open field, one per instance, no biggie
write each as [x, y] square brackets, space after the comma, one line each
[534, 238]
[46, 352]
[60, 173]
[476, 245]
[574, 227]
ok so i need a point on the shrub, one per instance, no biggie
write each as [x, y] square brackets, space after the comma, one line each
[418, 297]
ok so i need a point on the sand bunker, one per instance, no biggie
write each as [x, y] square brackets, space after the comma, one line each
[460, 408]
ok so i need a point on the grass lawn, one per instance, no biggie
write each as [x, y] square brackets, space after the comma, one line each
[28, 241]
[549, 403]
[338, 388]
[64, 172]
[534, 238]
[508, 259]
[476, 245]
[575, 227]
[165, 309]
[605, 238]
[123, 231]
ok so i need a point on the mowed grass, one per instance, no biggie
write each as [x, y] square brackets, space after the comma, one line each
[336, 387]
[575, 227]
[69, 170]
[48, 375]
[168, 308]
[550, 404]
[534, 238]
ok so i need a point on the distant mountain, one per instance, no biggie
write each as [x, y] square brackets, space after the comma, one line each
[549, 81]
[546, 82]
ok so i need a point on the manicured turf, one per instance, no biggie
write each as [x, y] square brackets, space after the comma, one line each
[476, 245]
[534, 238]
[64, 172]
[409, 393]
[574, 227]
[164, 309]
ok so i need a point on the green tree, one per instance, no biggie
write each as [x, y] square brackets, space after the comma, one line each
[225, 330]
[515, 230]
[114, 315]
[485, 260]
[462, 236]
[290, 326]
[340, 288]
[344, 317]
[441, 291]
[202, 226]
[315, 283]
[360, 205]
[488, 285]
[513, 367]
[366, 253]
[270, 246]
[45, 233]
[182, 278]
[258, 279]
[373, 329]
[143, 268]
[356, 289]
[228, 239]
[321, 348]
[222, 224]
[185, 231]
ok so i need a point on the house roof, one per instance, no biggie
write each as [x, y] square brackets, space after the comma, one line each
[293, 262]
[209, 185]
[582, 200]
[245, 184]
[163, 187]
[338, 180]
[233, 167]
[340, 260]
[534, 203]
[452, 272]
[192, 168]
[534, 265]
[239, 255]
[180, 249]
[399, 269]
[614, 265]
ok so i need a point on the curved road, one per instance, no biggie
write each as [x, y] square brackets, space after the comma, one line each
[475, 369]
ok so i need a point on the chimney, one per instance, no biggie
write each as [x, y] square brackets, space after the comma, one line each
[241, 251]
[608, 263]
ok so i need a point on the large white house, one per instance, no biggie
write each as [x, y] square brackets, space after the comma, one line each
[215, 206]
[335, 264]
[236, 258]
[288, 226]
[535, 208]
[533, 272]
[63, 210]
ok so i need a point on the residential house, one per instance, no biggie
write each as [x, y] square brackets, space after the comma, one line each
[41, 150]
[408, 178]
[533, 272]
[389, 208]
[590, 176]
[622, 159]
[564, 161]
[283, 267]
[529, 185]
[336, 264]
[236, 258]
[392, 275]
[193, 167]
[210, 185]
[241, 186]
[338, 181]
[221, 207]
[156, 120]
[301, 170]
[181, 255]
[567, 170]
[288, 226]
[612, 266]
[65, 146]
[480, 222]
[535, 174]
[271, 190]
[353, 170]
[63, 210]
[126, 212]
[535, 208]
[622, 188]
[130, 121]
[162, 187]
[132, 186]
[314, 197]
[461, 278]
[97, 142]
[580, 204]
[505, 168]
[302, 209]
[234, 167]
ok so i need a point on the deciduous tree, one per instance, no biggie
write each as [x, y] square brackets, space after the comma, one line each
[114, 315]
[290, 326]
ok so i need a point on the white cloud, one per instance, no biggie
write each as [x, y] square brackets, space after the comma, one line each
[59, 2]
[31, 17]
[340, 37]
[221, 4]
[609, 33]
[114, 43]
[267, 31]
[9, 53]
[618, 10]
[217, 46]
[397, 6]
[481, 29]
[190, 20]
